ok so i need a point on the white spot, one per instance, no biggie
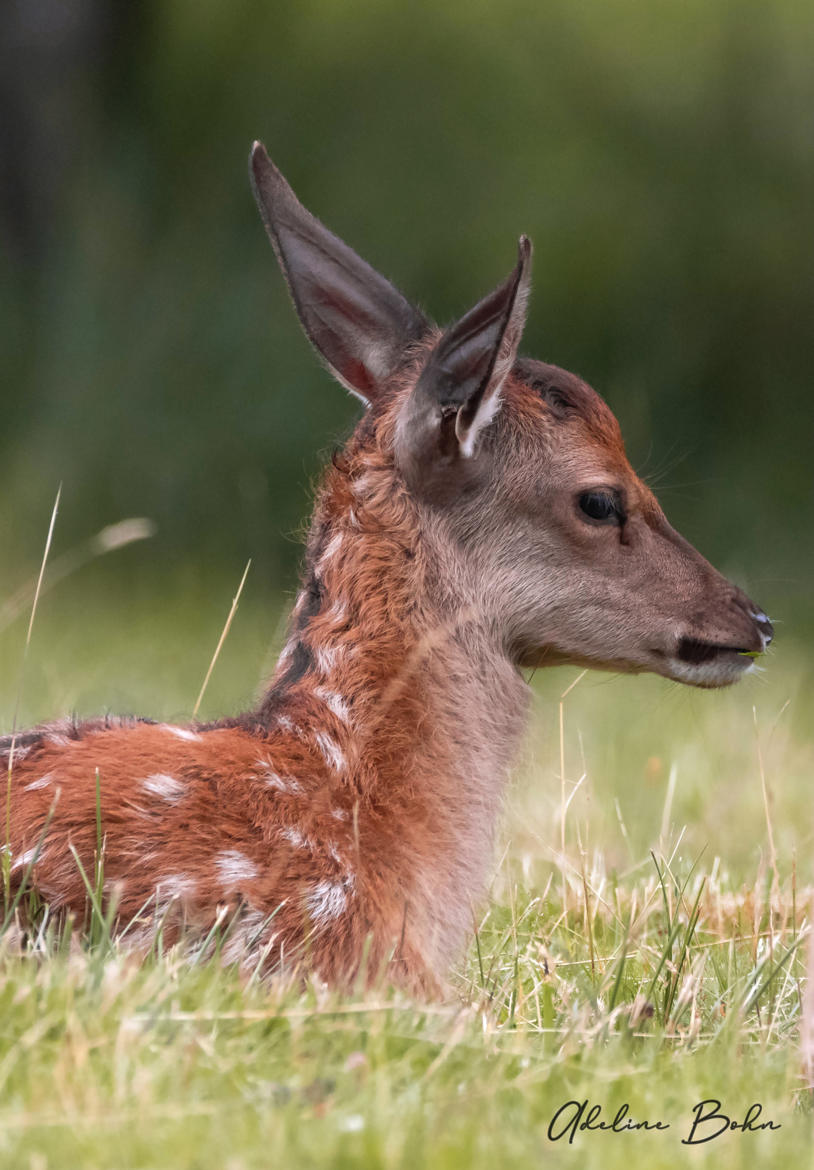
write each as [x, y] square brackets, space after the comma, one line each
[56, 739]
[288, 724]
[335, 702]
[234, 867]
[354, 519]
[273, 780]
[331, 549]
[26, 858]
[331, 751]
[177, 885]
[296, 838]
[181, 732]
[325, 658]
[337, 612]
[43, 782]
[364, 484]
[165, 787]
[327, 901]
[339, 814]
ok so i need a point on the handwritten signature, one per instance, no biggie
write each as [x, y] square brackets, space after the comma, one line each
[708, 1121]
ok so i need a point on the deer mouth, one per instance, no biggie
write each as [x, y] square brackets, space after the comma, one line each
[710, 664]
[697, 653]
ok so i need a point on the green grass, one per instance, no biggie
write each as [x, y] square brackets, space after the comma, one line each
[646, 945]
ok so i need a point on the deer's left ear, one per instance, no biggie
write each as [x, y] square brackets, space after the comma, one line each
[458, 392]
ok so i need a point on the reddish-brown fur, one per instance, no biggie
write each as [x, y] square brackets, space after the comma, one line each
[348, 819]
[251, 783]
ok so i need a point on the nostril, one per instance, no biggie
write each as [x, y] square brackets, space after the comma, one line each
[764, 626]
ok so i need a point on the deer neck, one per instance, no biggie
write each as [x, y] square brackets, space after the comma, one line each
[421, 707]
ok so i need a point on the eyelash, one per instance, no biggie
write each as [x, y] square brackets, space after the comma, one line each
[602, 507]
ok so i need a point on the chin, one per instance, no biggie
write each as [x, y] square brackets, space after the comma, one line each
[720, 667]
[726, 668]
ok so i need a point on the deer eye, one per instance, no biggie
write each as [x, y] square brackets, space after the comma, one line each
[602, 507]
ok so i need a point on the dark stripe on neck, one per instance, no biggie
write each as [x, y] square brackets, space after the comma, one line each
[301, 658]
[314, 592]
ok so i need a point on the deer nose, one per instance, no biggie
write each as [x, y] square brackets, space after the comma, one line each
[764, 627]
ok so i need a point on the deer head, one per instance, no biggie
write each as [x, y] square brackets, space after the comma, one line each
[515, 471]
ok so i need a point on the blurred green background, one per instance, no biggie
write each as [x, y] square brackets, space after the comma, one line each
[660, 155]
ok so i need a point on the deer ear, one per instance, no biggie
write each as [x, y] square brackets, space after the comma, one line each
[458, 392]
[355, 319]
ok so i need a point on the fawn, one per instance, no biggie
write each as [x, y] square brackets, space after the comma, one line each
[482, 518]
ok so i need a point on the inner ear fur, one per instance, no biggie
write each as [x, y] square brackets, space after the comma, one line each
[458, 392]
